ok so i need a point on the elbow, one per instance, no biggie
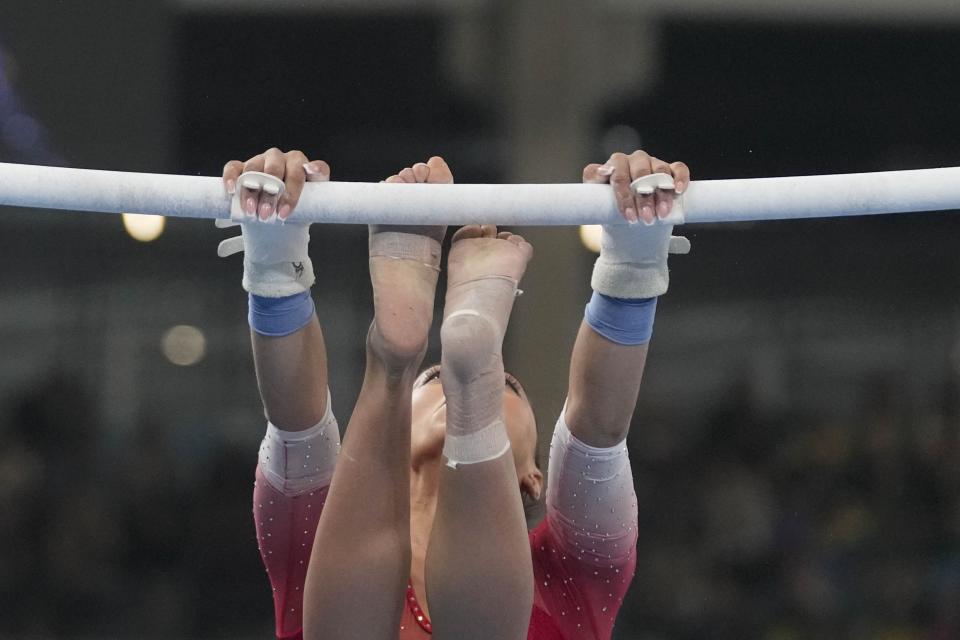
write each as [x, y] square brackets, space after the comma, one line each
[596, 426]
[602, 438]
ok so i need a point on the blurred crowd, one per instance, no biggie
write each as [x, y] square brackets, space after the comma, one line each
[114, 537]
[773, 527]
[793, 526]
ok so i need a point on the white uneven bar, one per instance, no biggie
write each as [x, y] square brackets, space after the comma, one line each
[517, 204]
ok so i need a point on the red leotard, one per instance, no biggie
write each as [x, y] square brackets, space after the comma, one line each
[574, 599]
[584, 552]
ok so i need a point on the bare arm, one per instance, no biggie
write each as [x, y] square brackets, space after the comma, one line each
[604, 375]
[291, 369]
[292, 376]
[603, 388]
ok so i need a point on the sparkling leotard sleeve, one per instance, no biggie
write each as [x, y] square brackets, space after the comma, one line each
[585, 551]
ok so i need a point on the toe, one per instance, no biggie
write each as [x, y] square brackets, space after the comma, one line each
[525, 246]
[489, 231]
[467, 232]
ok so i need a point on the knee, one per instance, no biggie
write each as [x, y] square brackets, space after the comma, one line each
[469, 343]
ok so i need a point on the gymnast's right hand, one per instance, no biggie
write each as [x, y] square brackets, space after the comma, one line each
[276, 260]
[293, 167]
[633, 258]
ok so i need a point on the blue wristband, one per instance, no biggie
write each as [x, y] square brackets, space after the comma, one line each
[620, 320]
[278, 317]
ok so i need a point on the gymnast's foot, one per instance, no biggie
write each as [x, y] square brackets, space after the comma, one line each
[404, 267]
[484, 269]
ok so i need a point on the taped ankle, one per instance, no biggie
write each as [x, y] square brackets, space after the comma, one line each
[477, 310]
[472, 378]
[470, 342]
[397, 245]
[488, 443]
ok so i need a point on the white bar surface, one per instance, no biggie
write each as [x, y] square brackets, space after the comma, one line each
[34, 186]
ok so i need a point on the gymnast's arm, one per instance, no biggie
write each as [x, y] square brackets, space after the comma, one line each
[605, 371]
[291, 367]
[591, 505]
[604, 383]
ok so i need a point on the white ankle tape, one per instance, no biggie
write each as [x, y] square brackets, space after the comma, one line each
[488, 443]
[469, 311]
[406, 246]
[512, 281]
[295, 462]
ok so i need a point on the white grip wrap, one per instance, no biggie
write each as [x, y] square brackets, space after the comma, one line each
[632, 262]
[633, 258]
[276, 259]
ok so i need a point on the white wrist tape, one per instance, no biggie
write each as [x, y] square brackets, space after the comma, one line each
[276, 262]
[488, 443]
[633, 260]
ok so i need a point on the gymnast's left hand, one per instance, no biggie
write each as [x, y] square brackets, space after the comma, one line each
[293, 167]
[622, 169]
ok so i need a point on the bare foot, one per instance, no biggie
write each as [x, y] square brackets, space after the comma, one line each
[484, 269]
[404, 266]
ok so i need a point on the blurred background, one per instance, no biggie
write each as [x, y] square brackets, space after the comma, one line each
[797, 443]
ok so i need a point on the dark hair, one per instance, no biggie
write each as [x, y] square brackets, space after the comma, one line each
[432, 372]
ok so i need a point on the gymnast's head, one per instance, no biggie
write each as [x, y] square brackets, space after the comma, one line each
[429, 429]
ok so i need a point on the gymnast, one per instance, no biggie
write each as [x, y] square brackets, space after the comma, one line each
[415, 526]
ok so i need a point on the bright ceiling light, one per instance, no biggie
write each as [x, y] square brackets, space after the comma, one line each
[184, 345]
[590, 236]
[142, 227]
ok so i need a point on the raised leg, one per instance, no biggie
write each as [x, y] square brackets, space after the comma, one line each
[361, 555]
[479, 575]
